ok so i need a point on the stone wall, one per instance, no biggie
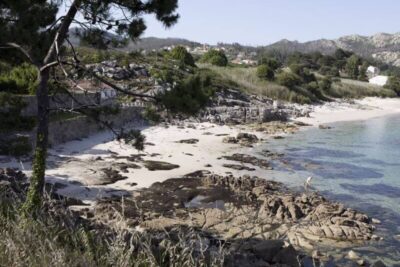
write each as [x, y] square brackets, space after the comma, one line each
[81, 127]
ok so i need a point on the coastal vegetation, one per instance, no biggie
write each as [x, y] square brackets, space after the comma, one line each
[215, 57]
[40, 63]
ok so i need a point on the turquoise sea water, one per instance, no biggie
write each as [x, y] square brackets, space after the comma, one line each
[357, 163]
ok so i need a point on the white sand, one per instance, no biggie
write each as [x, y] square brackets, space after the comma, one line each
[74, 163]
[367, 108]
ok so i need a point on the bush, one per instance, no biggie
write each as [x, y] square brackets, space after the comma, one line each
[394, 84]
[17, 147]
[331, 71]
[184, 57]
[215, 57]
[270, 62]
[189, 95]
[264, 72]
[288, 79]
[303, 72]
[325, 84]
[20, 80]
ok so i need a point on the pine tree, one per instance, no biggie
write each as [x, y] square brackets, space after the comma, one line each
[32, 28]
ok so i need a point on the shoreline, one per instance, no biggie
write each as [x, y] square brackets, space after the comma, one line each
[81, 169]
[356, 110]
[75, 166]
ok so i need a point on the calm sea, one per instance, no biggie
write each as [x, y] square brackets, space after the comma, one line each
[357, 163]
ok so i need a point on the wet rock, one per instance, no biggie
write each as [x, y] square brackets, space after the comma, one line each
[247, 138]
[278, 137]
[124, 167]
[110, 176]
[302, 124]
[188, 141]
[243, 158]
[152, 165]
[238, 167]
[230, 140]
[324, 127]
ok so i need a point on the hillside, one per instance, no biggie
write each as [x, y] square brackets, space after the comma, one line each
[382, 46]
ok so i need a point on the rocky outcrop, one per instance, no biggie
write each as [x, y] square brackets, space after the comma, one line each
[234, 107]
[233, 209]
[112, 70]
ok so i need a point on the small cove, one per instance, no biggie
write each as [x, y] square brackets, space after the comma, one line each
[356, 163]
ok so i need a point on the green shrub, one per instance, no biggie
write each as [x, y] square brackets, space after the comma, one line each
[270, 62]
[288, 79]
[325, 84]
[10, 116]
[352, 66]
[330, 71]
[20, 80]
[303, 72]
[265, 72]
[394, 84]
[182, 55]
[215, 57]
[189, 95]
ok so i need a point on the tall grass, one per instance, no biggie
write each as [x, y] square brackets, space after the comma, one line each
[57, 238]
[347, 88]
[247, 81]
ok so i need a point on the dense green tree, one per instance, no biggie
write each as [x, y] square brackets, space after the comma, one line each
[272, 63]
[341, 54]
[189, 95]
[288, 79]
[215, 57]
[352, 66]
[303, 72]
[31, 27]
[265, 72]
[182, 55]
[362, 76]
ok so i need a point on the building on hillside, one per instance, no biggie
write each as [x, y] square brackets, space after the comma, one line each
[248, 62]
[379, 80]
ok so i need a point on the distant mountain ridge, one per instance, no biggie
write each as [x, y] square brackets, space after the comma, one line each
[382, 46]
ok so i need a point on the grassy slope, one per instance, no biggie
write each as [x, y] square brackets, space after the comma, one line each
[356, 89]
[248, 82]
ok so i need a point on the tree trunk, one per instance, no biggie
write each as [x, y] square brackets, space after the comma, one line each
[35, 192]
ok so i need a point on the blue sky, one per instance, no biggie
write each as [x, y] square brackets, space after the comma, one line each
[260, 22]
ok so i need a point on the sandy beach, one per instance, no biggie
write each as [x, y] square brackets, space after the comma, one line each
[75, 166]
[364, 109]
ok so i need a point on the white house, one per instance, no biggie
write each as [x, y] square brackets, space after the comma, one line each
[379, 80]
[372, 71]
